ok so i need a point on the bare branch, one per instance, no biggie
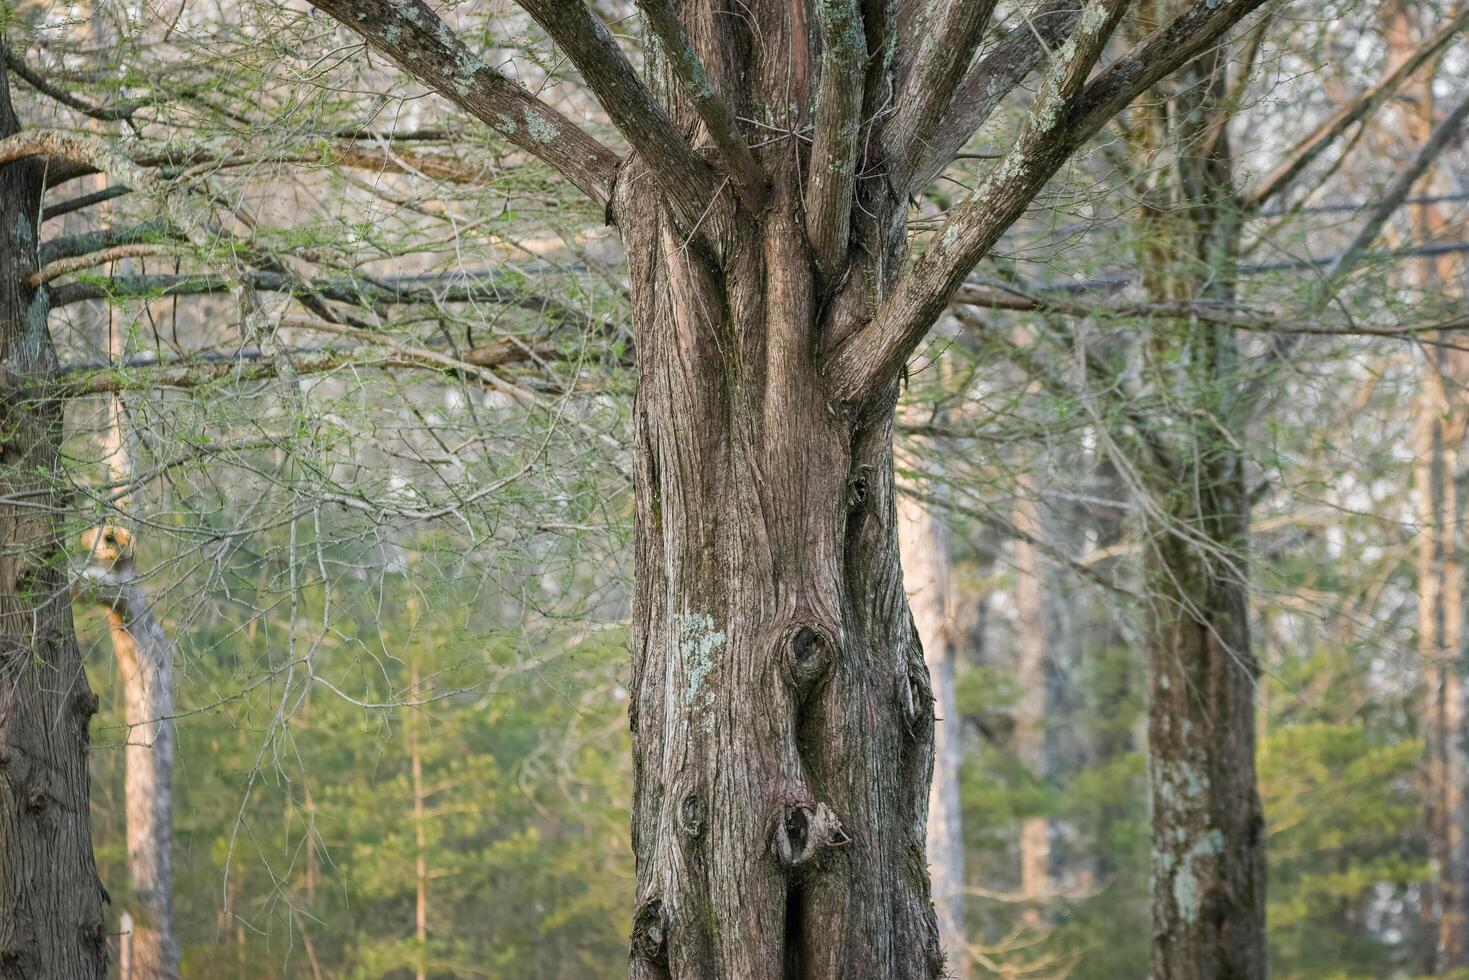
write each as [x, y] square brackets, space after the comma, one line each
[410, 33]
[681, 173]
[1251, 321]
[102, 113]
[356, 292]
[833, 176]
[1397, 192]
[1367, 102]
[748, 178]
[1065, 114]
[83, 201]
[149, 372]
[991, 79]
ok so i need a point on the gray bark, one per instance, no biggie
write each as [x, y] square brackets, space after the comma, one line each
[1208, 871]
[51, 925]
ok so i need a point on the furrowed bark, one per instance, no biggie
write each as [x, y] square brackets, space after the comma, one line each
[682, 175]
[950, 34]
[713, 110]
[833, 175]
[781, 710]
[51, 925]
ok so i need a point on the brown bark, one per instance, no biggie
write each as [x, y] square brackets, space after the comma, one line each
[924, 546]
[781, 709]
[51, 924]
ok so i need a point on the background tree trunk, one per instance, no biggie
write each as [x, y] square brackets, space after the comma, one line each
[145, 661]
[1030, 678]
[924, 546]
[1208, 875]
[1439, 429]
[51, 924]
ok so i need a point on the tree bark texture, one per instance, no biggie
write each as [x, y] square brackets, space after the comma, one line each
[923, 542]
[1208, 826]
[51, 925]
[781, 709]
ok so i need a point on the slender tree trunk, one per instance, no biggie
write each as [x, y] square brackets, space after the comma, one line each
[1440, 643]
[1030, 678]
[420, 857]
[924, 546]
[1208, 874]
[51, 925]
[144, 657]
[1439, 427]
[1208, 826]
[145, 661]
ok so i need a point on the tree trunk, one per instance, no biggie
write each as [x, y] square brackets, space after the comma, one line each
[1440, 643]
[145, 661]
[1208, 826]
[51, 924]
[1439, 427]
[1208, 869]
[1030, 678]
[781, 711]
[420, 833]
[924, 546]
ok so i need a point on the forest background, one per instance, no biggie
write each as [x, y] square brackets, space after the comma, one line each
[390, 549]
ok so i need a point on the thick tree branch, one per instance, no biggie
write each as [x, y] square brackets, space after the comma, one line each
[71, 246]
[748, 178]
[681, 173]
[988, 82]
[829, 186]
[411, 34]
[1065, 114]
[950, 36]
[1367, 102]
[146, 372]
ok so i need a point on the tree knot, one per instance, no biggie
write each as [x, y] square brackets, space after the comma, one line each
[810, 649]
[650, 932]
[801, 832]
